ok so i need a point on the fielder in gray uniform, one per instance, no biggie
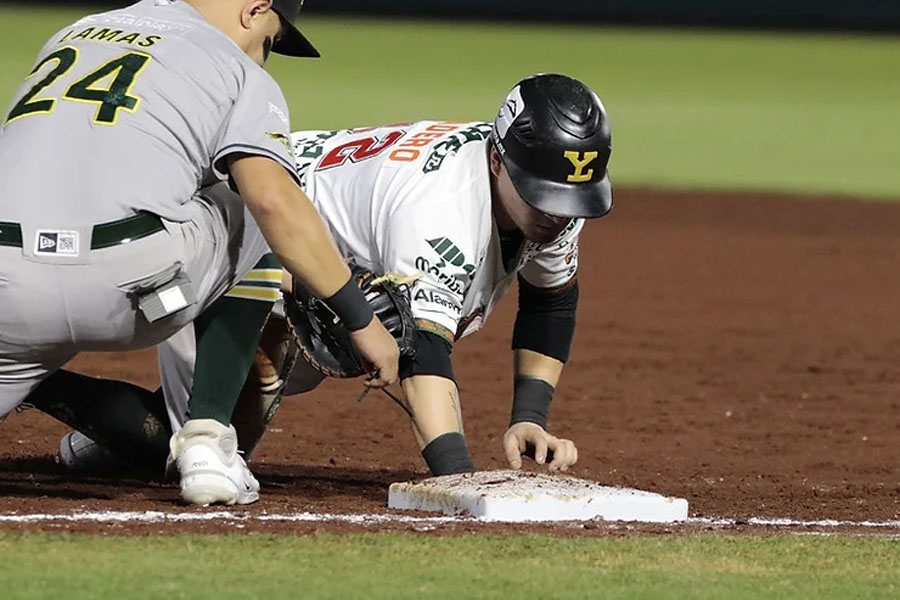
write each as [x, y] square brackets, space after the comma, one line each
[115, 246]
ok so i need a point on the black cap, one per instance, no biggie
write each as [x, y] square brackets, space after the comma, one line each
[292, 42]
[553, 136]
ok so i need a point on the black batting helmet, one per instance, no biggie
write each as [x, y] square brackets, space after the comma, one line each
[553, 136]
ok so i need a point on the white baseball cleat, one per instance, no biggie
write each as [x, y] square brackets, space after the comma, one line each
[80, 454]
[212, 471]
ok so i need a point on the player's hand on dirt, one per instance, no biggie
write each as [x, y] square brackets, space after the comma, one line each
[379, 349]
[517, 439]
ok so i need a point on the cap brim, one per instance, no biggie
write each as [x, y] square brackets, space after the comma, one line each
[294, 43]
[581, 200]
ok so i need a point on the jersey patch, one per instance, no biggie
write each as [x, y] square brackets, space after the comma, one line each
[281, 139]
[54, 242]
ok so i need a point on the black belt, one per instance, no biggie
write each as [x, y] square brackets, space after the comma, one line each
[105, 235]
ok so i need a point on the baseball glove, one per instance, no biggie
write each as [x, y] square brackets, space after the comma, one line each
[324, 341]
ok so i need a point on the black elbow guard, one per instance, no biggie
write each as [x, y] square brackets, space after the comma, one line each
[432, 357]
[546, 320]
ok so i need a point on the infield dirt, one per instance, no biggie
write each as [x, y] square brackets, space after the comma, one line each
[741, 351]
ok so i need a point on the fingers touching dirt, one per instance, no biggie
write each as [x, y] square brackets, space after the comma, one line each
[560, 453]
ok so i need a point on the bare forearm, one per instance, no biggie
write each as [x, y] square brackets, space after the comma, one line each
[527, 363]
[437, 423]
[298, 236]
[434, 402]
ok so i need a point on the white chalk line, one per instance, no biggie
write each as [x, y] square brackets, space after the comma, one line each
[154, 517]
[224, 516]
[783, 522]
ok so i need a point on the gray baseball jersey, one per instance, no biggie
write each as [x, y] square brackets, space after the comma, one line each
[124, 113]
[134, 110]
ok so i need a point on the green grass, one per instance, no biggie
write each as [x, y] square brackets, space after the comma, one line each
[791, 112]
[420, 566]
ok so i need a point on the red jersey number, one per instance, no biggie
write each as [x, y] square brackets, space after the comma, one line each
[358, 150]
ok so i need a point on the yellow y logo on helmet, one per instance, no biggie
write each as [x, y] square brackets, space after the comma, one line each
[580, 161]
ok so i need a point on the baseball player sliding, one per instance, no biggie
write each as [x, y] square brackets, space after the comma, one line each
[467, 207]
[112, 246]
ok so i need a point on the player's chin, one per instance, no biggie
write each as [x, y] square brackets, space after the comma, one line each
[542, 234]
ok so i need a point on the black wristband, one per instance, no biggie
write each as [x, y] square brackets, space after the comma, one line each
[447, 454]
[531, 401]
[351, 307]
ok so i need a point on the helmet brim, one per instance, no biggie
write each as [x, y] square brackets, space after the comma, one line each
[294, 43]
[580, 200]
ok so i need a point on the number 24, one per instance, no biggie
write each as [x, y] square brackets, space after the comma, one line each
[124, 70]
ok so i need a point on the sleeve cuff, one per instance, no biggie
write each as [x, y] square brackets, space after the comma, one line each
[221, 169]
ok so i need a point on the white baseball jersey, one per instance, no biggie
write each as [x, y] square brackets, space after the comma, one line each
[416, 198]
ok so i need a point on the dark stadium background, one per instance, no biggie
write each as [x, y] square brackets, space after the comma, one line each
[881, 15]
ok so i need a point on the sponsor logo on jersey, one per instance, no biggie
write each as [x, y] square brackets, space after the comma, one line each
[449, 256]
[438, 299]
[476, 133]
[455, 282]
[447, 250]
